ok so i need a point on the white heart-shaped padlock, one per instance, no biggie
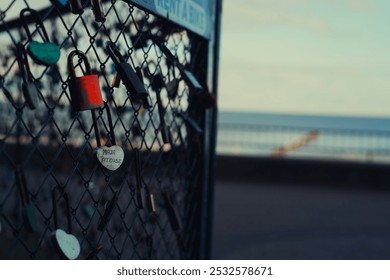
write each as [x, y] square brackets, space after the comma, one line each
[67, 244]
[110, 157]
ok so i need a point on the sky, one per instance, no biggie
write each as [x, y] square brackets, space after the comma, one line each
[323, 57]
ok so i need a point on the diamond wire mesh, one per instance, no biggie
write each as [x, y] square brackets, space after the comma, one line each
[55, 145]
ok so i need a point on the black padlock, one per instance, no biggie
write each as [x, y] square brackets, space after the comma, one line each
[29, 89]
[126, 73]
[187, 75]
[156, 80]
[204, 99]
[28, 210]
[145, 101]
[172, 88]
[161, 113]
[65, 243]
[85, 91]
[108, 211]
[76, 6]
[97, 10]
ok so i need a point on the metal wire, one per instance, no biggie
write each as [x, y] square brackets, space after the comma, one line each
[54, 145]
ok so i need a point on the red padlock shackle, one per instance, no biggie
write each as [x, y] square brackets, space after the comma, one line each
[83, 57]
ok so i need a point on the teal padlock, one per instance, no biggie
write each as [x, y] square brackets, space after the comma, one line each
[45, 53]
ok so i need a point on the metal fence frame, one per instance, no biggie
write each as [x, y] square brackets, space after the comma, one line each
[203, 219]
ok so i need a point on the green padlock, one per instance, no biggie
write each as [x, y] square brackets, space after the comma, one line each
[45, 53]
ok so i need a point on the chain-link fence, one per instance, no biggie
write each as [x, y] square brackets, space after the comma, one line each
[67, 189]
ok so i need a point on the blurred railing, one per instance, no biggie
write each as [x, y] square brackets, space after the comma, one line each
[328, 143]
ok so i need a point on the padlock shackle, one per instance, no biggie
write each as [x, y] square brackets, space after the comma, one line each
[110, 124]
[38, 21]
[64, 195]
[114, 53]
[21, 183]
[20, 57]
[96, 128]
[97, 10]
[23, 64]
[71, 67]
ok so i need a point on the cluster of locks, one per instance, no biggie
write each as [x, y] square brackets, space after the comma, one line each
[85, 94]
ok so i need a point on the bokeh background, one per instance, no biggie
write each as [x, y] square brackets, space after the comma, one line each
[303, 140]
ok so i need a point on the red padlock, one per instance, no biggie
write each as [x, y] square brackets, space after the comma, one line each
[85, 91]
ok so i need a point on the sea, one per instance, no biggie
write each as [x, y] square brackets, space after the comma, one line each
[335, 137]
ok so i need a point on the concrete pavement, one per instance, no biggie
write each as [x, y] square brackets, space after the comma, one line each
[260, 221]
